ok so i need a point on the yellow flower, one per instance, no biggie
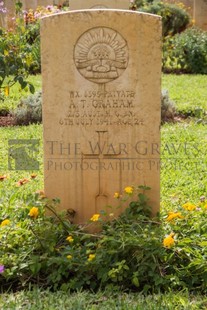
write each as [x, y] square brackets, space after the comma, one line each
[128, 190]
[6, 91]
[189, 206]
[91, 257]
[95, 217]
[34, 212]
[70, 239]
[172, 216]
[116, 195]
[111, 214]
[169, 241]
[69, 256]
[5, 222]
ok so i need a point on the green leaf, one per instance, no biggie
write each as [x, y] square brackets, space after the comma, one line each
[135, 281]
[31, 88]
[24, 84]
[203, 243]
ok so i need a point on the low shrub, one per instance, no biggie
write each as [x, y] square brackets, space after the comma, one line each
[20, 48]
[186, 52]
[29, 110]
[136, 4]
[187, 260]
[174, 18]
[13, 63]
[4, 110]
[32, 33]
[32, 36]
[131, 252]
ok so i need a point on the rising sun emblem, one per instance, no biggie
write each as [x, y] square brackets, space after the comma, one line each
[101, 55]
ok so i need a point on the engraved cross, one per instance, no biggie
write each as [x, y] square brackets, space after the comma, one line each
[98, 153]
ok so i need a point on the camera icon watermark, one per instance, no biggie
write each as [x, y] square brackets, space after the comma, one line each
[22, 154]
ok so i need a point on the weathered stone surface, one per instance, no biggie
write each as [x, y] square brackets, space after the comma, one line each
[33, 4]
[8, 21]
[200, 14]
[101, 74]
[97, 4]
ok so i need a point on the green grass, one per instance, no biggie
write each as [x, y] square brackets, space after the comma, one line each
[184, 164]
[16, 93]
[183, 178]
[187, 91]
[24, 132]
[45, 300]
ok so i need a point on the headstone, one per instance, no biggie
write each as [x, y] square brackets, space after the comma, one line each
[200, 14]
[33, 4]
[3, 19]
[7, 20]
[97, 4]
[11, 11]
[101, 107]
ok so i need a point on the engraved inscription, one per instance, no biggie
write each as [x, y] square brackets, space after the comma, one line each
[94, 108]
[101, 55]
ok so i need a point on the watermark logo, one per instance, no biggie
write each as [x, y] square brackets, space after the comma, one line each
[22, 154]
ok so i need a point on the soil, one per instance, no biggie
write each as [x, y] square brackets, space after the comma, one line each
[6, 121]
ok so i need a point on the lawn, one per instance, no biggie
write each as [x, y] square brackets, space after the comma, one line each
[183, 179]
[16, 93]
[184, 163]
[187, 91]
[45, 300]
